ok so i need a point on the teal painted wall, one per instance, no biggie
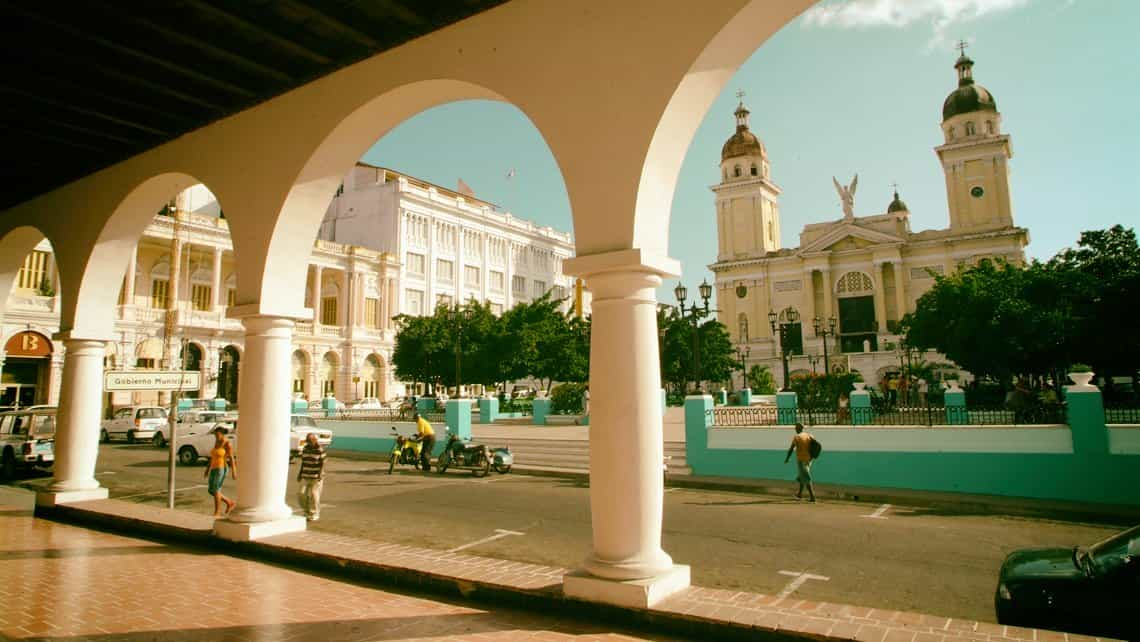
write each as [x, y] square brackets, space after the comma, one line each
[1089, 473]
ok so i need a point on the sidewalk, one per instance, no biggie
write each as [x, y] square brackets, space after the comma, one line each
[114, 587]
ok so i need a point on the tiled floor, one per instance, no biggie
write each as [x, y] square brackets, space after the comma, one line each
[64, 582]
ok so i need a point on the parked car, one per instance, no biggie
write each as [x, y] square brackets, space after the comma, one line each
[192, 421]
[299, 428]
[367, 403]
[134, 423]
[198, 439]
[1092, 590]
[27, 440]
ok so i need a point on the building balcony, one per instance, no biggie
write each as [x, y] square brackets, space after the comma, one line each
[333, 331]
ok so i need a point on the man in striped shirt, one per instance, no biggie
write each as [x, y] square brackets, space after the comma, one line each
[311, 477]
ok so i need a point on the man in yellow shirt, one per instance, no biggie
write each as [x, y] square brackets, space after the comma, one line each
[427, 441]
[801, 444]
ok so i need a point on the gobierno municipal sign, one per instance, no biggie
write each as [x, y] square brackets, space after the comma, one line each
[168, 380]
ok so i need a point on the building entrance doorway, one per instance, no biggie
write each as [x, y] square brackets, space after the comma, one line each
[228, 363]
[26, 372]
[858, 328]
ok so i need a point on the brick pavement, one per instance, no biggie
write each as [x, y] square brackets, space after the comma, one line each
[708, 613]
[63, 582]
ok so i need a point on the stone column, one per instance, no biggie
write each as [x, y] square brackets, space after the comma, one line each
[263, 457]
[317, 276]
[175, 273]
[900, 294]
[828, 306]
[385, 304]
[627, 565]
[216, 285]
[809, 301]
[393, 301]
[77, 425]
[880, 298]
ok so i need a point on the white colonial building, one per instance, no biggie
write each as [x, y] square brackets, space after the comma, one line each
[452, 246]
[172, 310]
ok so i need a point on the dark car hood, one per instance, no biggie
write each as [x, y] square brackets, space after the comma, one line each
[1040, 564]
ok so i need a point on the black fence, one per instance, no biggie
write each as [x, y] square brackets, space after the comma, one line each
[896, 416]
[744, 416]
[376, 415]
[1118, 413]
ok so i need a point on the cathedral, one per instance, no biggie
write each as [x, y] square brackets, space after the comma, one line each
[851, 280]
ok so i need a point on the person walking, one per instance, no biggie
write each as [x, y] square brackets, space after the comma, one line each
[922, 390]
[801, 444]
[222, 461]
[311, 477]
[427, 441]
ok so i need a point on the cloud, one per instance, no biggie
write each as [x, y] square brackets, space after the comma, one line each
[940, 14]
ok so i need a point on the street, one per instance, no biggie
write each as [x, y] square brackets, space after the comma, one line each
[929, 560]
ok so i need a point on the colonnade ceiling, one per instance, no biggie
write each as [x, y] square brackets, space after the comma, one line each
[119, 79]
[617, 90]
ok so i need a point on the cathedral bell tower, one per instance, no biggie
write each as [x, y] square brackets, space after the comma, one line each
[975, 155]
[747, 215]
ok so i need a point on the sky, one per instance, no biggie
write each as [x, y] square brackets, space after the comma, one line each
[856, 86]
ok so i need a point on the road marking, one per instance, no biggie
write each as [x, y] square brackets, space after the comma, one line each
[161, 492]
[800, 579]
[669, 490]
[107, 472]
[499, 534]
[878, 514]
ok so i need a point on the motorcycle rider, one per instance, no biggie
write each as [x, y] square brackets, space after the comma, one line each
[427, 440]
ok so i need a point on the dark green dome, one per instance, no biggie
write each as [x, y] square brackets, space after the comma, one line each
[966, 99]
[897, 205]
[969, 96]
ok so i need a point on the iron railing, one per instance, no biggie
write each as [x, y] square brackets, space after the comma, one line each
[744, 416]
[897, 416]
[1122, 413]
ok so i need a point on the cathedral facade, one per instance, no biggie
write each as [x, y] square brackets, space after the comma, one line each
[857, 275]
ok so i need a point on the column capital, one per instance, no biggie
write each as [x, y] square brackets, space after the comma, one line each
[256, 310]
[628, 260]
[69, 336]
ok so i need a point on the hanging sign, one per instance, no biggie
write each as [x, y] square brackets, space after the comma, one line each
[151, 380]
[28, 344]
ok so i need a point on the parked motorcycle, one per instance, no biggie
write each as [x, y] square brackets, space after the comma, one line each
[478, 458]
[406, 450]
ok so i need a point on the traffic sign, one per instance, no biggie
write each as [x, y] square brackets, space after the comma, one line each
[151, 380]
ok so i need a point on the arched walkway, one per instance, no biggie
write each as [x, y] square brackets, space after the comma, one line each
[372, 378]
[327, 375]
[619, 139]
[229, 366]
[300, 374]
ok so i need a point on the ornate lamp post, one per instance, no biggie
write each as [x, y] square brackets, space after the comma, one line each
[462, 316]
[791, 317]
[742, 354]
[825, 331]
[813, 359]
[694, 313]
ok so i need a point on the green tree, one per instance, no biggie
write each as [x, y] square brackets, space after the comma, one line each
[717, 358]
[761, 381]
[420, 346]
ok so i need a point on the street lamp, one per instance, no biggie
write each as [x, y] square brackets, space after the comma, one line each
[825, 331]
[791, 317]
[742, 353]
[462, 316]
[694, 313]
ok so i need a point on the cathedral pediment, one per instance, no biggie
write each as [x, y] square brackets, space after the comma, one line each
[848, 236]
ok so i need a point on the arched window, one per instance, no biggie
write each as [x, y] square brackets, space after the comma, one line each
[951, 133]
[854, 284]
[736, 171]
[770, 228]
[990, 127]
[726, 174]
[743, 321]
[970, 130]
[754, 171]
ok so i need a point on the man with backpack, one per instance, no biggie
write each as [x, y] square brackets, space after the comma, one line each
[806, 449]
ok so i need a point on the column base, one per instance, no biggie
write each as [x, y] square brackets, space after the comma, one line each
[48, 498]
[249, 531]
[640, 594]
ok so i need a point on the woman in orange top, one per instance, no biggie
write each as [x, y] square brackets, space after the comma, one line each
[221, 461]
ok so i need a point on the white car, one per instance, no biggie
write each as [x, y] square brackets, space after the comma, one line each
[27, 440]
[198, 439]
[134, 423]
[192, 421]
[299, 428]
[367, 403]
